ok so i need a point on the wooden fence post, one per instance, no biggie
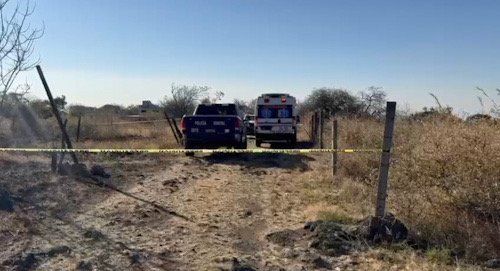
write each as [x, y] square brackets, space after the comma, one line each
[321, 124]
[179, 133]
[78, 127]
[335, 145]
[313, 139]
[174, 132]
[63, 146]
[383, 180]
[56, 113]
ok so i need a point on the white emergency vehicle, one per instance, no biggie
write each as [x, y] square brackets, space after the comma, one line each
[276, 119]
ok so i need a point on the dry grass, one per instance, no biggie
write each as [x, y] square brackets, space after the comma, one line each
[445, 182]
[97, 131]
[445, 178]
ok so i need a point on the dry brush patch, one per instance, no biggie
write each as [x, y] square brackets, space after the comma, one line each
[444, 181]
[96, 131]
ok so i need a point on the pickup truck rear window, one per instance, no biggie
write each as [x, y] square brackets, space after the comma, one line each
[216, 109]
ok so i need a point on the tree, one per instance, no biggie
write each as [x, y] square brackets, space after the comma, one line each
[245, 106]
[218, 95]
[17, 39]
[184, 99]
[78, 109]
[332, 101]
[41, 108]
[111, 109]
[373, 101]
[60, 102]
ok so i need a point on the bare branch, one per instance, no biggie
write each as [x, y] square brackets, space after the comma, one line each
[17, 40]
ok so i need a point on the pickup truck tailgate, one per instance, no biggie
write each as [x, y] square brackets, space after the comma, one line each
[200, 127]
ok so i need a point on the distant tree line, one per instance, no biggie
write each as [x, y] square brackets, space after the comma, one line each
[340, 102]
[183, 99]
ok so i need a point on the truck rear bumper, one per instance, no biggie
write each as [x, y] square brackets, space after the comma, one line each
[212, 143]
[275, 137]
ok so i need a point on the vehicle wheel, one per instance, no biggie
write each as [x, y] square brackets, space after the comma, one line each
[258, 142]
[293, 142]
[242, 145]
[188, 145]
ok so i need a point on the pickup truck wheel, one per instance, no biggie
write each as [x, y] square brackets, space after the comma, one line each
[242, 145]
[293, 142]
[258, 142]
[188, 145]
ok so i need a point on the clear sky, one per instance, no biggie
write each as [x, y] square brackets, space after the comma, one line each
[124, 51]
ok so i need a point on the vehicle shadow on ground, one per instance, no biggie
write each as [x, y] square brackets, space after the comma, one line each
[298, 145]
[264, 160]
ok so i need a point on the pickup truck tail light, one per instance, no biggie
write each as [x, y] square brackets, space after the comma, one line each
[183, 124]
[238, 123]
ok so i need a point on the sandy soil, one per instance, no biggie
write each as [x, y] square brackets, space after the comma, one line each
[165, 213]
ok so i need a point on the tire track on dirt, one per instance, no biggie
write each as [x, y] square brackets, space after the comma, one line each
[235, 204]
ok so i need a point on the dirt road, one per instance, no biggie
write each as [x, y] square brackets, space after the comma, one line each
[167, 213]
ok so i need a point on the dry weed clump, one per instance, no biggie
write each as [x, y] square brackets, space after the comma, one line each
[444, 180]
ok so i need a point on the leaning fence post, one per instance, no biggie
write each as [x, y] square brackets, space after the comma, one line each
[174, 132]
[383, 180]
[179, 133]
[335, 145]
[56, 113]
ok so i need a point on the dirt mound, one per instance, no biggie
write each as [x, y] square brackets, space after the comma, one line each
[334, 239]
[287, 238]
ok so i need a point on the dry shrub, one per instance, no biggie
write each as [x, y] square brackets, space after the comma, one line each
[445, 182]
[444, 179]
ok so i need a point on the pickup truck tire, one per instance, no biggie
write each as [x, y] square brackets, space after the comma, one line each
[293, 141]
[258, 142]
[242, 145]
[188, 145]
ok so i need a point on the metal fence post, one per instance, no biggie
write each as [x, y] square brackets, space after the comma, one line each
[383, 180]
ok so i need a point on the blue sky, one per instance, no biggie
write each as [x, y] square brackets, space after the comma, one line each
[124, 51]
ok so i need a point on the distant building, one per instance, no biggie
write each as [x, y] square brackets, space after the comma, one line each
[147, 107]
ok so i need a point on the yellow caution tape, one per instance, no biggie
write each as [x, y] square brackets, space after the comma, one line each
[188, 151]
